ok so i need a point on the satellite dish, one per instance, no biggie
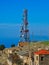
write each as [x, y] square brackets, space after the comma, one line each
[22, 35]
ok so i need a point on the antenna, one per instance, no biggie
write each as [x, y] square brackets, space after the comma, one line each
[24, 28]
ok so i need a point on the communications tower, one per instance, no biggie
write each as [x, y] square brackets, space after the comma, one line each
[24, 28]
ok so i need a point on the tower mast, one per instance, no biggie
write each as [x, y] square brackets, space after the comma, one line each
[25, 25]
[24, 28]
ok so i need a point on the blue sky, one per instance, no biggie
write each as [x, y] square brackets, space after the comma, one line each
[11, 12]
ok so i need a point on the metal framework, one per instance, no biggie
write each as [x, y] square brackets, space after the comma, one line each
[24, 28]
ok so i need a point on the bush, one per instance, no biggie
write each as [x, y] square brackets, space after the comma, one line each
[2, 47]
[13, 45]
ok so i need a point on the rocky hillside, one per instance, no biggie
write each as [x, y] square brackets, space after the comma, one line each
[34, 46]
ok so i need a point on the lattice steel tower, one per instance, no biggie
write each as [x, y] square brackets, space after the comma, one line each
[24, 30]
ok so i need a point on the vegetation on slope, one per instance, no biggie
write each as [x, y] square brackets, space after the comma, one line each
[45, 42]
